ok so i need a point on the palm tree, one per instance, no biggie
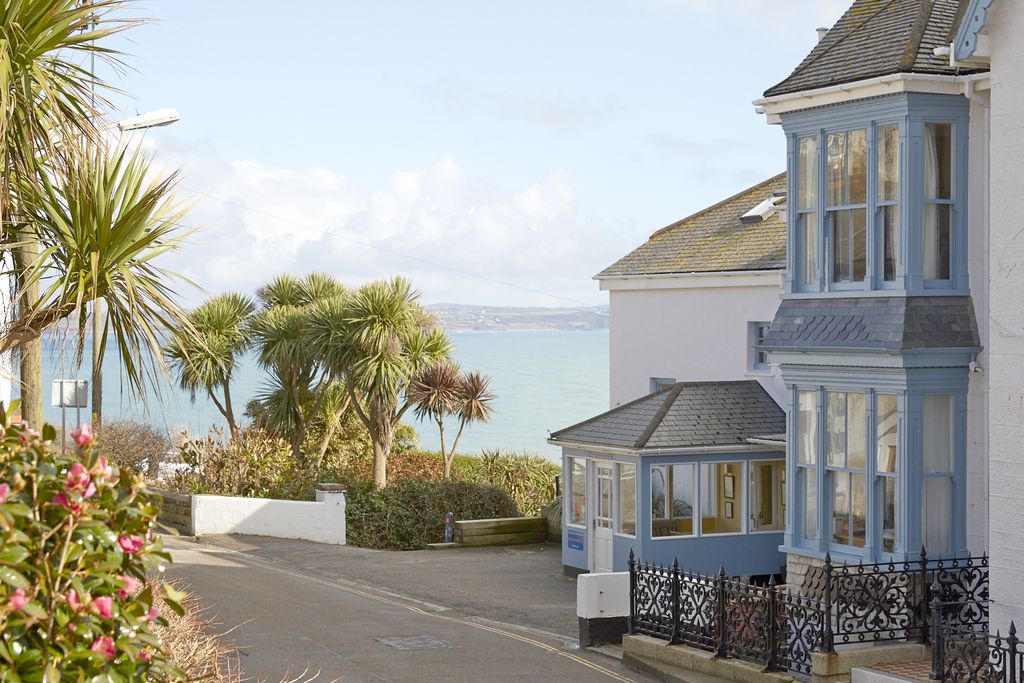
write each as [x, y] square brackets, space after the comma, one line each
[378, 339]
[474, 397]
[48, 102]
[102, 225]
[435, 394]
[206, 359]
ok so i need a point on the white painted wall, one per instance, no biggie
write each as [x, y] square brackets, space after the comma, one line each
[1005, 369]
[691, 328]
[322, 521]
[602, 595]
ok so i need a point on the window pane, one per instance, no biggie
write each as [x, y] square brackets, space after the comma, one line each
[889, 514]
[836, 169]
[808, 445]
[835, 428]
[936, 224]
[857, 431]
[766, 495]
[888, 163]
[937, 424]
[890, 241]
[627, 499]
[682, 491]
[579, 491]
[857, 166]
[809, 239]
[936, 515]
[721, 497]
[604, 496]
[849, 245]
[858, 509]
[659, 485]
[841, 508]
[887, 437]
[810, 496]
[938, 161]
[808, 173]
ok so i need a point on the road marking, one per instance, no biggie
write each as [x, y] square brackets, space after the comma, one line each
[406, 606]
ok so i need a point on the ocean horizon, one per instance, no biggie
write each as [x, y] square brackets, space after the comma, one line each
[544, 380]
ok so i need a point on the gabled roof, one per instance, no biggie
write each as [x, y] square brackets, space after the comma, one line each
[684, 415]
[878, 38]
[714, 239]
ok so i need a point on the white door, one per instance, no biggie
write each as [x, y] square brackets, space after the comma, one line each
[601, 557]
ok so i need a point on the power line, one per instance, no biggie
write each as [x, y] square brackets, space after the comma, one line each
[385, 250]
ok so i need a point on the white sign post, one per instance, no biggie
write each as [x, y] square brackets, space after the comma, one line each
[69, 393]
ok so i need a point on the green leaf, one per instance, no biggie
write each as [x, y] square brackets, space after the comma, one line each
[13, 554]
[14, 578]
[175, 606]
[173, 593]
[35, 610]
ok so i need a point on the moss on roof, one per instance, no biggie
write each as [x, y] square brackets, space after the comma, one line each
[713, 240]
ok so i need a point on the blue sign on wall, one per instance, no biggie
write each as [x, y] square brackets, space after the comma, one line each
[575, 538]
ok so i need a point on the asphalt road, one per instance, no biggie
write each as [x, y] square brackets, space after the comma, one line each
[288, 620]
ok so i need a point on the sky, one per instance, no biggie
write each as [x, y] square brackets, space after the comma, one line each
[495, 153]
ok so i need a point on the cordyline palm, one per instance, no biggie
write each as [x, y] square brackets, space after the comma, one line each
[47, 106]
[435, 395]
[378, 338]
[206, 359]
[103, 224]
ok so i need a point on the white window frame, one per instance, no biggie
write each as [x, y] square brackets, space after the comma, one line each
[756, 330]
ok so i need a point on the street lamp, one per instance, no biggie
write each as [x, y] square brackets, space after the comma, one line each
[151, 119]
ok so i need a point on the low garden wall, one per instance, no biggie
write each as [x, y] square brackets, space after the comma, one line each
[322, 520]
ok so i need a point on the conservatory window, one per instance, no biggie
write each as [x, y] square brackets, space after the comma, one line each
[767, 495]
[627, 499]
[937, 493]
[938, 200]
[672, 499]
[887, 441]
[887, 199]
[721, 496]
[807, 461]
[847, 204]
[806, 214]
[578, 491]
[846, 446]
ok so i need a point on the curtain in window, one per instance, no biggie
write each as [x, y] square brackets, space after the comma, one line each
[931, 191]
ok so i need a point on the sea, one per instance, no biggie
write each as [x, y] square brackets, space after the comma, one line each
[543, 381]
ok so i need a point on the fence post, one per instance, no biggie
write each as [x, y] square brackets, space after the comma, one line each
[773, 627]
[1011, 647]
[827, 635]
[674, 634]
[723, 650]
[938, 636]
[922, 608]
[632, 592]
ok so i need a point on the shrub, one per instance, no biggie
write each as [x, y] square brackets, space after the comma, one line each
[134, 445]
[190, 641]
[76, 540]
[254, 464]
[409, 513]
[529, 479]
[403, 465]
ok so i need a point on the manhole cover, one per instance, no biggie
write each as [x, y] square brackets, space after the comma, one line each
[416, 643]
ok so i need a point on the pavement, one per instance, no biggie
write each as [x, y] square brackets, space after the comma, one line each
[352, 614]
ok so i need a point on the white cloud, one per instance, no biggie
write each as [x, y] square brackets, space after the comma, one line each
[259, 221]
[561, 113]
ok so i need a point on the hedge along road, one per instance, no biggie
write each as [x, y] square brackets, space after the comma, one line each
[289, 622]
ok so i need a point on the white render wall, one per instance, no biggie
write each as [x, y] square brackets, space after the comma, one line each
[691, 328]
[602, 595]
[1005, 370]
[322, 521]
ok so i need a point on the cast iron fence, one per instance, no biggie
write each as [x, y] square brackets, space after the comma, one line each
[969, 653]
[780, 627]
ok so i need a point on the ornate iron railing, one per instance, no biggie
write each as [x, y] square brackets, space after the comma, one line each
[780, 627]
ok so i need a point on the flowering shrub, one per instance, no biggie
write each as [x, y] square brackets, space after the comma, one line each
[76, 544]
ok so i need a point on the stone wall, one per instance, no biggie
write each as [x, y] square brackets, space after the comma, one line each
[176, 511]
[797, 567]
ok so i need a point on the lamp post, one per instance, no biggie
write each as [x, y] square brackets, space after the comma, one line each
[152, 119]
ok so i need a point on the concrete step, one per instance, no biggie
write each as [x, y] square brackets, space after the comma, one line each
[670, 674]
[909, 673]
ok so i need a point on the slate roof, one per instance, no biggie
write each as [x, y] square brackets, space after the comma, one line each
[713, 240]
[878, 38]
[683, 415]
[881, 323]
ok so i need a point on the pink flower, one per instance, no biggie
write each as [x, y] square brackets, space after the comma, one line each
[151, 614]
[105, 646]
[5, 491]
[130, 585]
[145, 656]
[74, 602]
[78, 477]
[102, 469]
[17, 599]
[63, 500]
[83, 436]
[26, 432]
[103, 606]
[130, 544]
